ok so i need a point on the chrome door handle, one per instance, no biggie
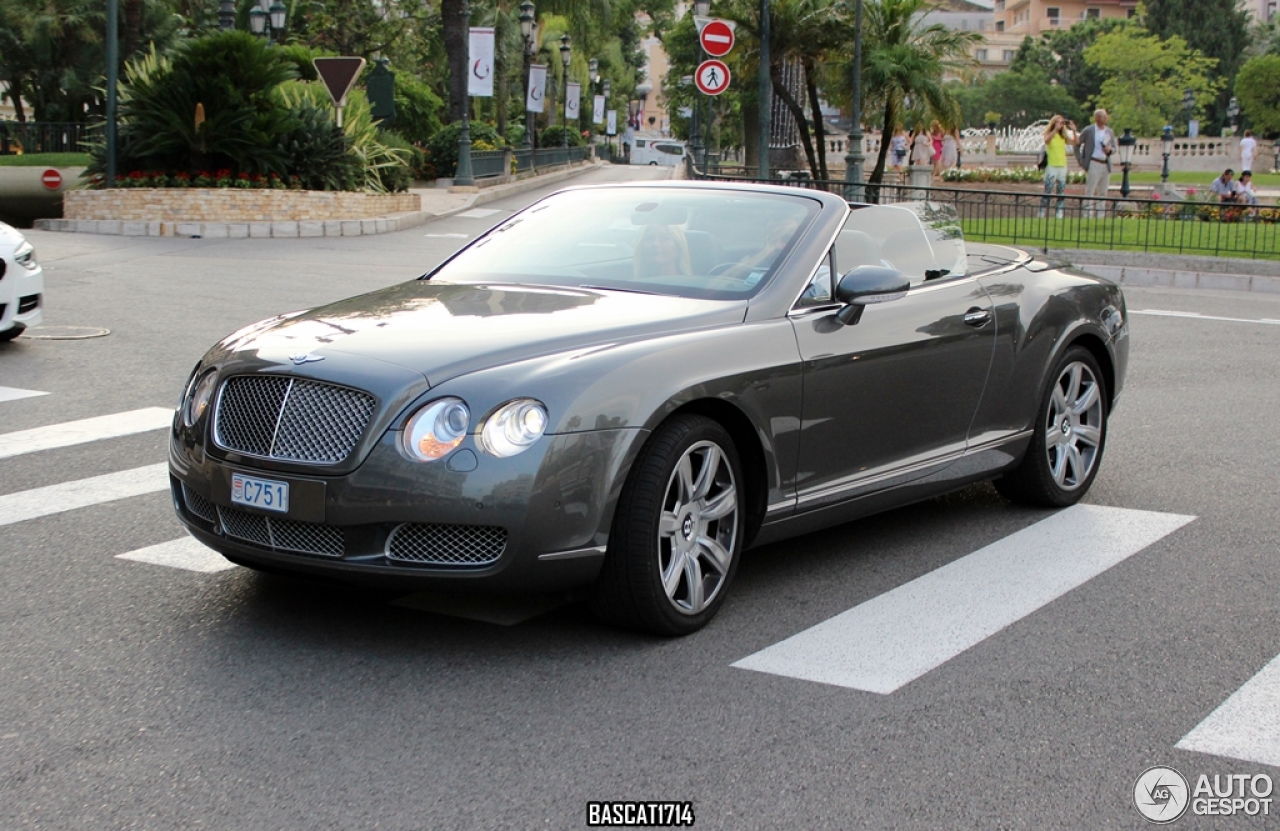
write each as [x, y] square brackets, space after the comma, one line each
[977, 317]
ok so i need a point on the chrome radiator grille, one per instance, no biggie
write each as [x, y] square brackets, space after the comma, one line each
[473, 546]
[291, 419]
[282, 534]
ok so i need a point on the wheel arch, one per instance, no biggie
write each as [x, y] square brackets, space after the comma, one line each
[751, 454]
[1098, 348]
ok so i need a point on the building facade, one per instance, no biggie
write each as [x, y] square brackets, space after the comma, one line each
[1034, 17]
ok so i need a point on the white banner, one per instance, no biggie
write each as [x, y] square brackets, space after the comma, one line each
[612, 129]
[597, 110]
[480, 79]
[535, 96]
[573, 102]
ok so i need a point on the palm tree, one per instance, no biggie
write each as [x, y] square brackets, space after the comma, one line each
[905, 58]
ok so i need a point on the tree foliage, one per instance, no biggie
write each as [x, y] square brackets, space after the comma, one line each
[1216, 28]
[1022, 97]
[1258, 88]
[1060, 54]
[1146, 76]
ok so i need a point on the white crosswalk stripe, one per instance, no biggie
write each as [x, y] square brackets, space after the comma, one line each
[14, 394]
[81, 493]
[70, 433]
[891, 640]
[187, 553]
[1245, 726]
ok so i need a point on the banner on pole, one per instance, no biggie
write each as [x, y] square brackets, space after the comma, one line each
[480, 79]
[612, 128]
[597, 110]
[535, 96]
[573, 102]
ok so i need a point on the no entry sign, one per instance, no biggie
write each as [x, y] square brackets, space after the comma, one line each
[716, 38]
[712, 77]
[51, 179]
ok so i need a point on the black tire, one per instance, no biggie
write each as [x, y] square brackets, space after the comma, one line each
[11, 333]
[630, 591]
[1048, 475]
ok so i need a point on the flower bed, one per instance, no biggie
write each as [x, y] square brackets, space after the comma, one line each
[232, 204]
[1021, 175]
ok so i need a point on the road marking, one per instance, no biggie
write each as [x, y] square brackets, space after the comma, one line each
[1245, 726]
[81, 493]
[898, 636]
[186, 553]
[85, 430]
[13, 393]
[1196, 315]
[479, 213]
[448, 236]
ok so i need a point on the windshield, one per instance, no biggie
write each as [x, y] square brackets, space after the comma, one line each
[710, 244]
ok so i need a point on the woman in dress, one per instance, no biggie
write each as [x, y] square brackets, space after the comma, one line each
[935, 137]
[921, 149]
[950, 151]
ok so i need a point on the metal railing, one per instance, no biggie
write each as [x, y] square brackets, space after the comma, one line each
[488, 163]
[46, 137]
[1034, 220]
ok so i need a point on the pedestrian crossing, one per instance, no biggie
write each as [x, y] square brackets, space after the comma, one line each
[880, 646]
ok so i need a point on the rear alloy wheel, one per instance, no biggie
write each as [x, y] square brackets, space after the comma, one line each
[677, 536]
[1066, 448]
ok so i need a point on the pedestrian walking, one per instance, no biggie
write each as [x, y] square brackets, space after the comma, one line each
[921, 149]
[950, 151]
[899, 146]
[935, 138]
[1248, 152]
[1093, 152]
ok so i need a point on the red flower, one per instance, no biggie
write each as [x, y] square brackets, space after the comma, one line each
[183, 175]
[137, 174]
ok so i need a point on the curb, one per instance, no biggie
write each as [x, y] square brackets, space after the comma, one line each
[1155, 277]
[293, 229]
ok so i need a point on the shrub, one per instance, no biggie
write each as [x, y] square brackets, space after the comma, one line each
[443, 146]
[554, 137]
[417, 109]
[317, 151]
[210, 105]
[1004, 174]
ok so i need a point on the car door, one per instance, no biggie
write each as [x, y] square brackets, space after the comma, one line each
[890, 398]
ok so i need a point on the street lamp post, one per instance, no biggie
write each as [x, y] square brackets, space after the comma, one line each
[278, 16]
[1189, 105]
[268, 22]
[566, 54]
[1166, 140]
[1127, 141]
[227, 15]
[853, 191]
[258, 21]
[528, 28]
[1233, 114]
[462, 175]
[608, 90]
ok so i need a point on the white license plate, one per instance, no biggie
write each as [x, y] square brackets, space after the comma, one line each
[267, 494]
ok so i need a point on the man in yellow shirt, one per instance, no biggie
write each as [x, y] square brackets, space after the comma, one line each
[1060, 133]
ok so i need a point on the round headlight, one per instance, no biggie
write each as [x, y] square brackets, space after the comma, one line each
[436, 429]
[513, 427]
[198, 397]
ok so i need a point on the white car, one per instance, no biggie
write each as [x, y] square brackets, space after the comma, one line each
[21, 284]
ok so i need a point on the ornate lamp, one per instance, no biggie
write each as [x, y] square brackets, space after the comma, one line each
[1127, 142]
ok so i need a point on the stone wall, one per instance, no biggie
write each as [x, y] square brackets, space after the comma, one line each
[231, 205]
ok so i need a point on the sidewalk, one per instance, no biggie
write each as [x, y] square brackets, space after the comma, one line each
[1137, 268]
[435, 203]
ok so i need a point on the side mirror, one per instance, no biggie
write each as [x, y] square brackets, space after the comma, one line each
[866, 285]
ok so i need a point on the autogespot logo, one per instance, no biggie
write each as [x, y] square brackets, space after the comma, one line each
[1161, 794]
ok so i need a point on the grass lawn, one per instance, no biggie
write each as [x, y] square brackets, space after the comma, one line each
[45, 160]
[1253, 240]
[1188, 177]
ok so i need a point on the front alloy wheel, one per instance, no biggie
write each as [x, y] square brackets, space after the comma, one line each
[677, 531]
[1070, 432]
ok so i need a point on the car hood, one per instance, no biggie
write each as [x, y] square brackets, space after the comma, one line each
[444, 330]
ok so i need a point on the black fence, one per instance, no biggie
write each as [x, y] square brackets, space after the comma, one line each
[46, 137]
[1034, 220]
[488, 163]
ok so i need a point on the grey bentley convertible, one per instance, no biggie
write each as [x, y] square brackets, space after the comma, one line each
[621, 388]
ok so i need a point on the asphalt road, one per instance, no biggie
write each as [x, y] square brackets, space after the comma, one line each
[141, 696]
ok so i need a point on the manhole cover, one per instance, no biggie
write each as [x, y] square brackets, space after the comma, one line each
[66, 332]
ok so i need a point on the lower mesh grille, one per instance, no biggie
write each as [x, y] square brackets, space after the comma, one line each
[282, 534]
[198, 506]
[447, 545]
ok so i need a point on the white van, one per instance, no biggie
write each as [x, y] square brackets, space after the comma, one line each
[666, 152]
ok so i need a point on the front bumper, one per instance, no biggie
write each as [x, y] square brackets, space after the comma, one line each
[21, 297]
[538, 521]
